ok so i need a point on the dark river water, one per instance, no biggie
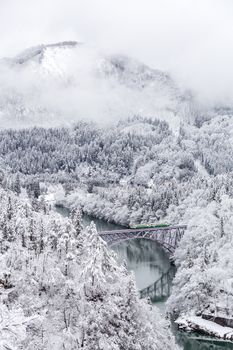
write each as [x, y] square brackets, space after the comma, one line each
[148, 261]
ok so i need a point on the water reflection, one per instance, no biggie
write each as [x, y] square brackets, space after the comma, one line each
[145, 258]
[197, 342]
[101, 225]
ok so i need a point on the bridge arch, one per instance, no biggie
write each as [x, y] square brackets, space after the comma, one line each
[169, 249]
[168, 237]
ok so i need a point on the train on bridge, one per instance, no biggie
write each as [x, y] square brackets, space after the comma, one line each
[150, 226]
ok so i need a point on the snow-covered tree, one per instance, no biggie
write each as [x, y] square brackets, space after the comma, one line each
[13, 325]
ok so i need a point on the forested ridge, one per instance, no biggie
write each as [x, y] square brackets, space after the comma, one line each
[136, 171]
[102, 160]
[138, 165]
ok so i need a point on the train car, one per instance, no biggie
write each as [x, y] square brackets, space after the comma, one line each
[150, 226]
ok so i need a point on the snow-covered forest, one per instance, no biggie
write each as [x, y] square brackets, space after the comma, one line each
[110, 137]
[61, 287]
[139, 171]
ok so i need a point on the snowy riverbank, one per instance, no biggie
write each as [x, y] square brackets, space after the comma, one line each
[91, 203]
[198, 324]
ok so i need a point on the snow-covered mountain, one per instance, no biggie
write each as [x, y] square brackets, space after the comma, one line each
[64, 82]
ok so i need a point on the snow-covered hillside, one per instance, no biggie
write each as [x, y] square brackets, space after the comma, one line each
[65, 82]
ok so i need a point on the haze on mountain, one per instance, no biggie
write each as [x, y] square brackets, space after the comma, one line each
[64, 82]
[190, 40]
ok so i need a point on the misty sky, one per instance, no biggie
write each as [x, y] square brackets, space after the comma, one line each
[190, 38]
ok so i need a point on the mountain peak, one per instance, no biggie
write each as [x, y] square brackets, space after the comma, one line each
[32, 52]
[68, 80]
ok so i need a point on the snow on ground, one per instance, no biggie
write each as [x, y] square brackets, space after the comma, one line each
[54, 192]
[49, 198]
[199, 324]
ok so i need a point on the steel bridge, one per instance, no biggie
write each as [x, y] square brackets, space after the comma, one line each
[168, 237]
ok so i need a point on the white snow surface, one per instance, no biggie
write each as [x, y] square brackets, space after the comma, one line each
[207, 326]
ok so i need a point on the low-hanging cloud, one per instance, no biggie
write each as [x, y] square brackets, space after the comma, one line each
[190, 38]
[72, 82]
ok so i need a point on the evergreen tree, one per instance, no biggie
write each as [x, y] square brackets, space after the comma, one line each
[222, 233]
[17, 185]
[76, 218]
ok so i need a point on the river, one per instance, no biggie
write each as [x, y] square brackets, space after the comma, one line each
[148, 261]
